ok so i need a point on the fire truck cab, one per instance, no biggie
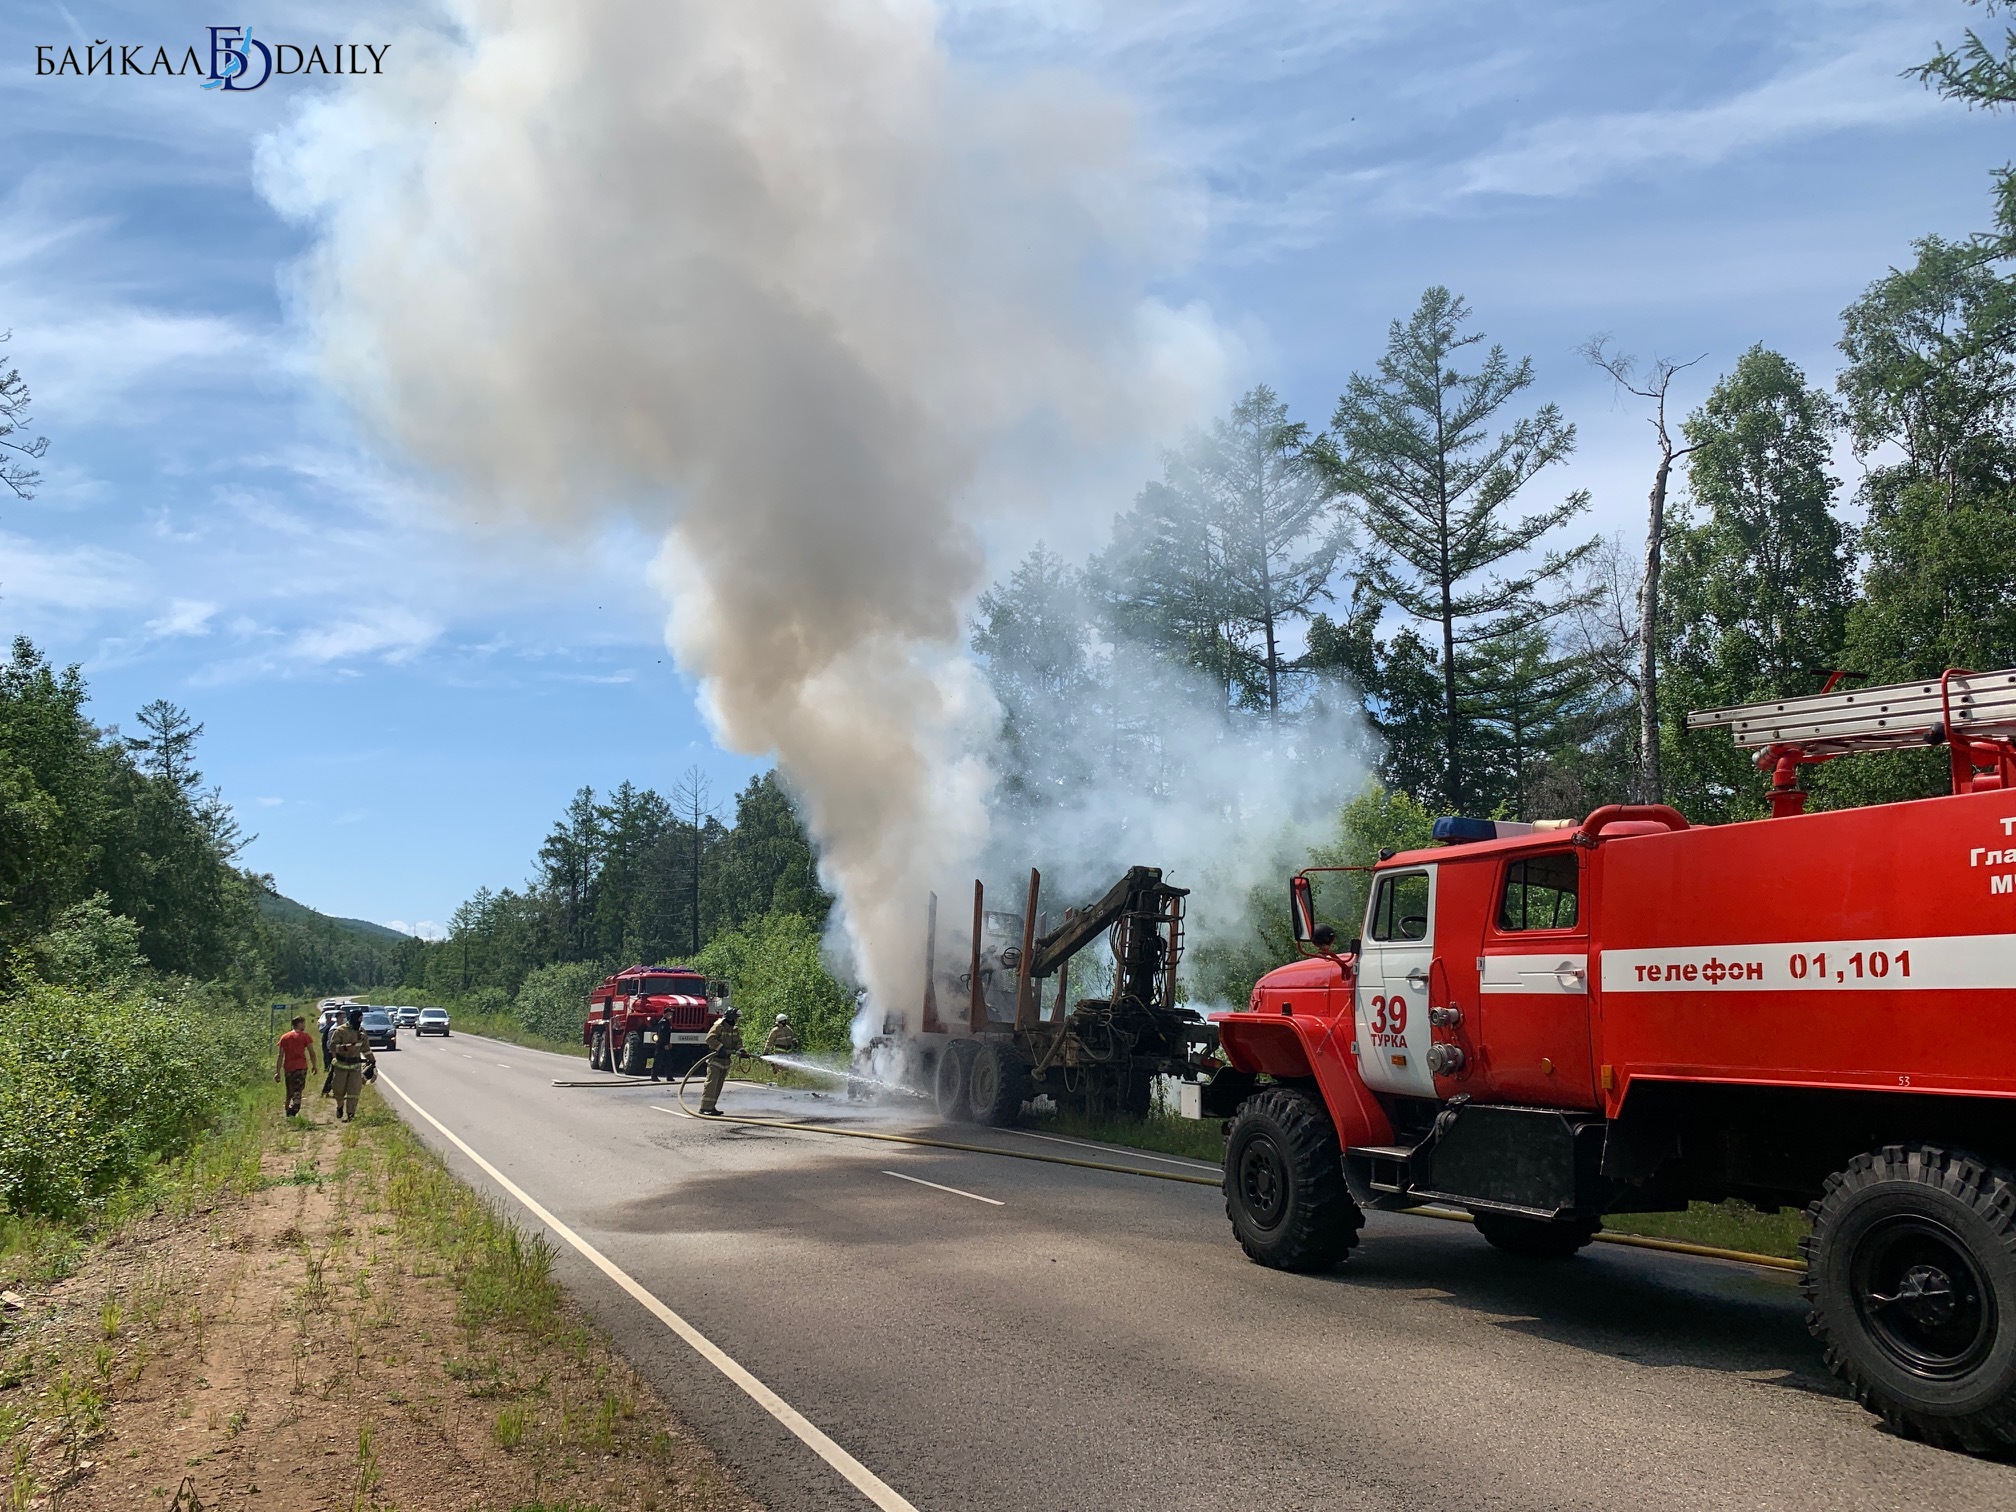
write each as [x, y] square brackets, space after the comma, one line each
[1542, 1024]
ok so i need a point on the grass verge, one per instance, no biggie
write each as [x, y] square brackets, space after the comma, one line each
[305, 1309]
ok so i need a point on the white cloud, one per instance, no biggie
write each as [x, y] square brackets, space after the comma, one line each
[66, 577]
[1855, 89]
[391, 634]
[183, 617]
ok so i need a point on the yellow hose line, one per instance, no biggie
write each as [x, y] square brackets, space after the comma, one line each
[1636, 1241]
[1642, 1241]
[943, 1144]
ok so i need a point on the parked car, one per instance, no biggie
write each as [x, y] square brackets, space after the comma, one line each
[406, 1016]
[379, 1030]
[432, 1021]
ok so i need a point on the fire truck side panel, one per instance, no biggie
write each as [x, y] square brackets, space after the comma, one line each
[1870, 948]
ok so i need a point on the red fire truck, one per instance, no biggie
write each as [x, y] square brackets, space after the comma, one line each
[626, 1010]
[1543, 1025]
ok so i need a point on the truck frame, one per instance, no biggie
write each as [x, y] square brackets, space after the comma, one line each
[621, 1029]
[1545, 1025]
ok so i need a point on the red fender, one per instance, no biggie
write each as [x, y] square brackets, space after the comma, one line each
[1304, 1049]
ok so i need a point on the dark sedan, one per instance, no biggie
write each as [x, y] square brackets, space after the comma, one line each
[379, 1030]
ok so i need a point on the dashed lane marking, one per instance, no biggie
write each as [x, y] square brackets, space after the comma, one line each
[990, 1201]
[856, 1474]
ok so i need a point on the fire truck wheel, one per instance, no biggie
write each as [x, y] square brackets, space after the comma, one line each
[1536, 1238]
[951, 1080]
[997, 1084]
[1911, 1270]
[1284, 1183]
[632, 1063]
[598, 1051]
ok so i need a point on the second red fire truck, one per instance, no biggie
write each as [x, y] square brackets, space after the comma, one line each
[630, 1010]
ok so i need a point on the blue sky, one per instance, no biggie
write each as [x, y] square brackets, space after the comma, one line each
[399, 706]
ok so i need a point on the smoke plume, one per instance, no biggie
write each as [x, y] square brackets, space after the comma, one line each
[784, 282]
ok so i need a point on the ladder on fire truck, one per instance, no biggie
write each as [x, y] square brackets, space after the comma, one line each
[1972, 714]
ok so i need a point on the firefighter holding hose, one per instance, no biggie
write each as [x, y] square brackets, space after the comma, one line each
[724, 1043]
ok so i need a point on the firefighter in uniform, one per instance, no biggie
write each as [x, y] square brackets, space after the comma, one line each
[349, 1054]
[724, 1043]
[661, 1052]
[781, 1036]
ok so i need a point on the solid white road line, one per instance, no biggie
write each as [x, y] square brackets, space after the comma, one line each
[856, 1474]
[991, 1202]
[1127, 1150]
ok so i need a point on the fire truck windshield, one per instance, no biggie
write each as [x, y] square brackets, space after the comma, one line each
[673, 986]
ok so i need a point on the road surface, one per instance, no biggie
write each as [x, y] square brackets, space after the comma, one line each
[1083, 1339]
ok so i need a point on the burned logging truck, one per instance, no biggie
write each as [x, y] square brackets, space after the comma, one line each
[992, 1037]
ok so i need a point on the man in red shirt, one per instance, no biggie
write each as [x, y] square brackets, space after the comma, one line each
[295, 1061]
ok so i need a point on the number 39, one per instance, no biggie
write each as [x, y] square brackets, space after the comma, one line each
[1389, 1015]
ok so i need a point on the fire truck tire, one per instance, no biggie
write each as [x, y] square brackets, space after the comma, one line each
[1536, 1238]
[1911, 1270]
[997, 1084]
[1284, 1183]
[632, 1063]
[598, 1051]
[950, 1084]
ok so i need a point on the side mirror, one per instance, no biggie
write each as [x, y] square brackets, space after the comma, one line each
[1301, 910]
[1355, 948]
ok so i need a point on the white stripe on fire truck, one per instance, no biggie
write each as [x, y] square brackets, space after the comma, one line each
[1935, 963]
[1555, 972]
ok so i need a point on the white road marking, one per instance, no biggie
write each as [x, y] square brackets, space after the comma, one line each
[856, 1474]
[991, 1202]
[502, 1066]
[1117, 1150]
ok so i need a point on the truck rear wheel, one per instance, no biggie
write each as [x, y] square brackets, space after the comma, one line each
[997, 1084]
[1536, 1238]
[950, 1083]
[598, 1051]
[1911, 1270]
[1284, 1183]
[632, 1063]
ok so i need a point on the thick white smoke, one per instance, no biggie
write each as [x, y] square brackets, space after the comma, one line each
[776, 277]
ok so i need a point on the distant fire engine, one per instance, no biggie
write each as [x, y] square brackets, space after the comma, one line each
[1543, 1024]
[630, 1010]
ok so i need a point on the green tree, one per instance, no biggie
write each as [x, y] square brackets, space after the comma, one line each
[1413, 445]
[1761, 581]
[1221, 561]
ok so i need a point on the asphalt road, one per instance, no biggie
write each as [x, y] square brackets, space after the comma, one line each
[1097, 1341]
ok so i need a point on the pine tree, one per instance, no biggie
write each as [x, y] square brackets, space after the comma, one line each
[1413, 447]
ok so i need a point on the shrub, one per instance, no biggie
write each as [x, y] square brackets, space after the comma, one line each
[95, 1087]
[554, 999]
[773, 965]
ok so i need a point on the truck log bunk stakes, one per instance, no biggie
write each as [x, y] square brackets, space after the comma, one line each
[1546, 1023]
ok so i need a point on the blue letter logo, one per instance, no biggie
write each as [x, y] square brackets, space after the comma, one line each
[231, 62]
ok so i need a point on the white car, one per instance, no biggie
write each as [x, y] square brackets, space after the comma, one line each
[432, 1021]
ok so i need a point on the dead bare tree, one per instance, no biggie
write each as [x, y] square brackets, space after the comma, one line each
[1651, 385]
[15, 471]
[692, 803]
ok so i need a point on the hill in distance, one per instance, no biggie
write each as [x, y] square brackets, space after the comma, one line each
[285, 910]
